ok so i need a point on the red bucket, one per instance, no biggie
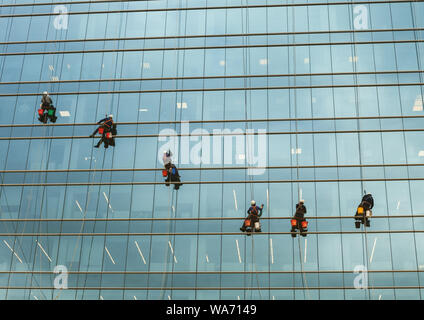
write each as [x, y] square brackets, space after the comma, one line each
[101, 130]
[304, 224]
[247, 223]
[164, 173]
[293, 222]
[108, 135]
[40, 112]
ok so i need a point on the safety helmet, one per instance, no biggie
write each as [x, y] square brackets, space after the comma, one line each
[302, 201]
[45, 93]
[253, 202]
[111, 116]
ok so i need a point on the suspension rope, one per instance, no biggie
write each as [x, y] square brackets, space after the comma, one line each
[421, 97]
[16, 241]
[112, 109]
[171, 251]
[53, 69]
[80, 233]
[296, 154]
[248, 143]
[175, 207]
[356, 95]
[116, 47]
[95, 170]
[43, 203]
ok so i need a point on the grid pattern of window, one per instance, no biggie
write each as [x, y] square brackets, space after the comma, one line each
[272, 100]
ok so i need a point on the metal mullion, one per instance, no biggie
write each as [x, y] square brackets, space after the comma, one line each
[199, 8]
[219, 121]
[213, 47]
[100, 234]
[202, 182]
[219, 288]
[207, 218]
[220, 77]
[220, 134]
[213, 36]
[215, 272]
[222, 89]
[219, 168]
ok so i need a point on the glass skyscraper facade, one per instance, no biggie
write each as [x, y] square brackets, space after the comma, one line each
[272, 100]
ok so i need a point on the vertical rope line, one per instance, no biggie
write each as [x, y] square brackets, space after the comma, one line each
[118, 70]
[7, 38]
[248, 151]
[171, 198]
[171, 194]
[381, 140]
[157, 149]
[94, 173]
[304, 283]
[243, 22]
[59, 66]
[267, 152]
[336, 147]
[140, 100]
[95, 161]
[180, 120]
[55, 63]
[16, 239]
[41, 205]
[355, 80]
[404, 134]
[249, 147]
[358, 123]
[122, 29]
[290, 139]
[32, 276]
[222, 154]
[421, 97]
[43, 193]
[201, 162]
[70, 158]
[88, 188]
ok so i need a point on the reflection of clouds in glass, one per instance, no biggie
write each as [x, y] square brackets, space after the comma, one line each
[418, 104]
[353, 59]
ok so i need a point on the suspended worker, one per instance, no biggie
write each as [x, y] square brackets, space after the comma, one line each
[299, 222]
[364, 213]
[170, 171]
[251, 223]
[107, 129]
[47, 110]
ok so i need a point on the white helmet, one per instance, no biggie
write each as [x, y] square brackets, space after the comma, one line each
[253, 202]
[45, 93]
[111, 116]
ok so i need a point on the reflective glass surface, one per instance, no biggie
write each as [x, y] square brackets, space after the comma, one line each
[272, 100]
